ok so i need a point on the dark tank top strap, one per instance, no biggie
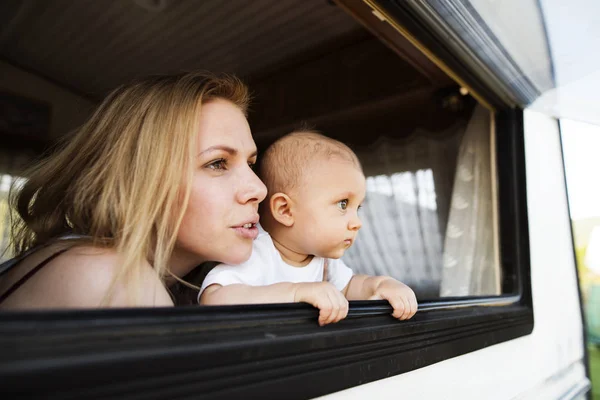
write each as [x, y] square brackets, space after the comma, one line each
[28, 275]
[9, 264]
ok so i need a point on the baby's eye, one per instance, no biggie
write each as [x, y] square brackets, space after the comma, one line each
[252, 164]
[219, 164]
[343, 204]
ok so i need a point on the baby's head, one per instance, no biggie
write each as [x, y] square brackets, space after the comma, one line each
[315, 186]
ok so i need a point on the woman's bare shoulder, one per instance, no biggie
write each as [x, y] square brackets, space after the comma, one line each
[81, 277]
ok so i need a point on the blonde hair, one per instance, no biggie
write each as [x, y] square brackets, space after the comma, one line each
[124, 178]
[283, 164]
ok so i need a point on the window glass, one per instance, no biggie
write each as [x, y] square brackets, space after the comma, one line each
[428, 218]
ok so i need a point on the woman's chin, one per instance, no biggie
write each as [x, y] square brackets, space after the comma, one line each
[236, 258]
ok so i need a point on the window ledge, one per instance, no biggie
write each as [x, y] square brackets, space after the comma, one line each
[271, 351]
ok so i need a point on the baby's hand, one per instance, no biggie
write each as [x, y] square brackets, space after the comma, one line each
[400, 296]
[327, 298]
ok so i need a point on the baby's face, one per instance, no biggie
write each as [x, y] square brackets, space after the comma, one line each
[326, 216]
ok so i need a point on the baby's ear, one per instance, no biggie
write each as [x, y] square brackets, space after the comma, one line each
[281, 209]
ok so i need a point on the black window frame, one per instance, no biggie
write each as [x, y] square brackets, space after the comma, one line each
[275, 351]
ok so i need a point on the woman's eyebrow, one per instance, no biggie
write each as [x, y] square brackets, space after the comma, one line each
[227, 149]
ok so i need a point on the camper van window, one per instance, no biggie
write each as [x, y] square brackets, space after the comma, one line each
[445, 209]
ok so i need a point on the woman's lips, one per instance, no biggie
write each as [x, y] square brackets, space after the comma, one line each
[246, 232]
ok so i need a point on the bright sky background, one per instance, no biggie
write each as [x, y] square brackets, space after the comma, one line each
[581, 147]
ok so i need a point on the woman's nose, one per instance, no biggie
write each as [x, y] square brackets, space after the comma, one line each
[252, 189]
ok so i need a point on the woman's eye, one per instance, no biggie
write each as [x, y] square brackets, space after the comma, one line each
[343, 204]
[219, 164]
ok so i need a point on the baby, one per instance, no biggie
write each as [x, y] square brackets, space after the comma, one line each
[309, 219]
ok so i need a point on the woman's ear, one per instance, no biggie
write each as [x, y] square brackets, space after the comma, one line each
[281, 209]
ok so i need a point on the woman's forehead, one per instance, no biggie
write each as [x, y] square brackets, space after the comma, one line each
[223, 124]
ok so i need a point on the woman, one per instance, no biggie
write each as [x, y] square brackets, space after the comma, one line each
[158, 181]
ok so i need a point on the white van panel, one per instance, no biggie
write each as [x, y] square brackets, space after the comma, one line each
[548, 362]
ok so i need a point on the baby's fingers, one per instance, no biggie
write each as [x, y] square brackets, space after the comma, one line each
[410, 305]
[329, 309]
[334, 308]
[413, 306]
[340, 305]
[407, 308]
[343, 302]
[325, 314]
[400, 307]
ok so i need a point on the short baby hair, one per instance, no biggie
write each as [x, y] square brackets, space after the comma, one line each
[284, 162]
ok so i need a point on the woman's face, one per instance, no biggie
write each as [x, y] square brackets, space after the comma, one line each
[219, 222]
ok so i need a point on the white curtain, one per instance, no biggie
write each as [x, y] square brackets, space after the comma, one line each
[401, 235]
[428, 215]
[470, 265]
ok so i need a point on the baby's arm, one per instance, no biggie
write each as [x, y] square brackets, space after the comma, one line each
[245, 294]
[332, 305]
[400, 296]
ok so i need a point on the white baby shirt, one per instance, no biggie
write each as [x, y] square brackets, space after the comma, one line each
[266, 267]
